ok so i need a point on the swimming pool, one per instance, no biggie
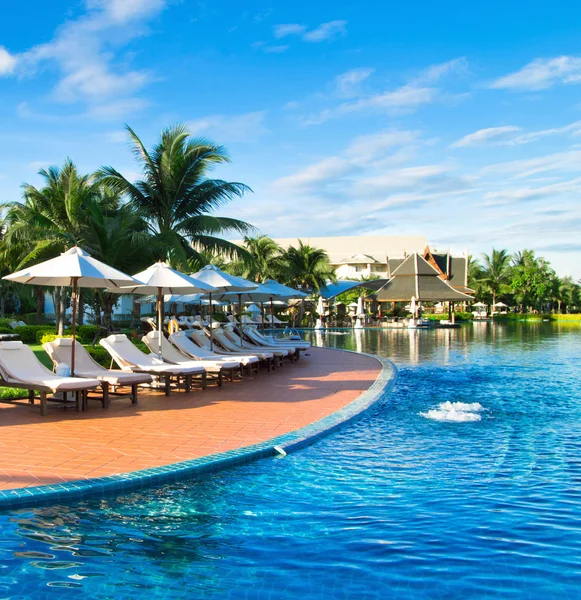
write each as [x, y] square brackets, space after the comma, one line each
[402, 504]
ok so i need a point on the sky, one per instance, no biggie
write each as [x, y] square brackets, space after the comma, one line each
[460, 121]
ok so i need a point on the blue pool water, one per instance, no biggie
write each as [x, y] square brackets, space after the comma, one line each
[398, 505]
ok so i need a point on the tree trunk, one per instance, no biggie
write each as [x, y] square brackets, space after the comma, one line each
[56, 299]
[39, 298]
[2, 306]
[62, 312]
[108, 311]
[301, 313]
[80, 307]
[135, 313]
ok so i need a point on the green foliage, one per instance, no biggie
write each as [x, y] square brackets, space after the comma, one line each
[86, 333]
[31, 334]
[460, 316]
[6, 330]
[9, 393]
[100, 355]
[176, 196]
[46, 338]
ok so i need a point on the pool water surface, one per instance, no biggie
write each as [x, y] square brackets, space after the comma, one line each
[408, 502]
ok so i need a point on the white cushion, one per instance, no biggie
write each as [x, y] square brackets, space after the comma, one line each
[120, 337]
[63, 341]
[11, 345]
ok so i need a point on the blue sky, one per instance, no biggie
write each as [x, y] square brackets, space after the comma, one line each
[459, 121]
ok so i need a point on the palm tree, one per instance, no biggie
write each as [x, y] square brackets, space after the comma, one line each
[50, 220]
[263, 260]
[495, 272]
[306, 268]
[177, 196]
[118, 236]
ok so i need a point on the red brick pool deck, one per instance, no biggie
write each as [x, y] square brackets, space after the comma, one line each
[66, 445]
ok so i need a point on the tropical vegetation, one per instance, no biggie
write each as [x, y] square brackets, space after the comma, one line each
[522, 280]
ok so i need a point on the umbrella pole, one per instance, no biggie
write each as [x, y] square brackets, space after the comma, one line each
[271, 316]
[159, 316]
[73, 325]
[240, 317]
[262, 313]
[211, 328]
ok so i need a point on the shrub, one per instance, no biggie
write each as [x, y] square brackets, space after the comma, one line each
[42, 331]
[28, 333]
[86, 333]
[6, 330]
[5, 323]
[50, 337]
[100, 355]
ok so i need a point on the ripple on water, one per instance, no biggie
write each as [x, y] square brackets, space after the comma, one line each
[393, 506]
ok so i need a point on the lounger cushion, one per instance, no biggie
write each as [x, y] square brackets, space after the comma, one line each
[16, 345]
[63, 341]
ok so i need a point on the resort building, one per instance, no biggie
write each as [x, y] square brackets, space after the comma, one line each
[362, 257]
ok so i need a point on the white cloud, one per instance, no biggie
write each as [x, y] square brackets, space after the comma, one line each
[405, 99]
[326, 31]
[347, 84]
[573, 129]
[281, 31]
[7, 62]
[486, 136]
[542, 73]
[247, 127]
[434, 73]
[530, 193]
[567, 161]
[84, 52]
[369, 149]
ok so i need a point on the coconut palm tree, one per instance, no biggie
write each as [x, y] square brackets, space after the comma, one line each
[177, 197]
[50, 220]
[263, 261]
[495, 272]
[305, 268]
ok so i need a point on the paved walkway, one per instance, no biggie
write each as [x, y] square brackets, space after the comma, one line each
[66, 445]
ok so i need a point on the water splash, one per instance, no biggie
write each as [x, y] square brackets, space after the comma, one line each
[452, 416]
[461, 406]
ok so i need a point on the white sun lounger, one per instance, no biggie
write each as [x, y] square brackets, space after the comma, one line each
[199, 351]
[130, 358]
[280, 353]
[60, 352]
[272, 341]
[225, 347]
[20, 368]
[172, 355]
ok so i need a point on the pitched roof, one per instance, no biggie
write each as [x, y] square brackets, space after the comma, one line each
[416, 277]
[358, 259]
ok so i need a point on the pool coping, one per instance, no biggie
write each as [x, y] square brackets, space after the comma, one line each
[284, 444]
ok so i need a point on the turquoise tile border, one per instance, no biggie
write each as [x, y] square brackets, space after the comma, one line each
[197, 467]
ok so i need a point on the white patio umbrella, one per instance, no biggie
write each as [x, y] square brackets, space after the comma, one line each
[253, 309]
[73, 268]
[223, 282]
[360, 311]
[499, 305]
[161, 279]
[479, 305]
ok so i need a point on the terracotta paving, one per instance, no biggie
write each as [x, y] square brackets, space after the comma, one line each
[66, 445]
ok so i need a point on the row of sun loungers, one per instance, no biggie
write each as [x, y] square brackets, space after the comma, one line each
[184, 359]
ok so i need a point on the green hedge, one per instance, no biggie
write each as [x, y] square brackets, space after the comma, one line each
[6, 330]
[459, 316]
[31, 334]
[99, 355]
[86, 333]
